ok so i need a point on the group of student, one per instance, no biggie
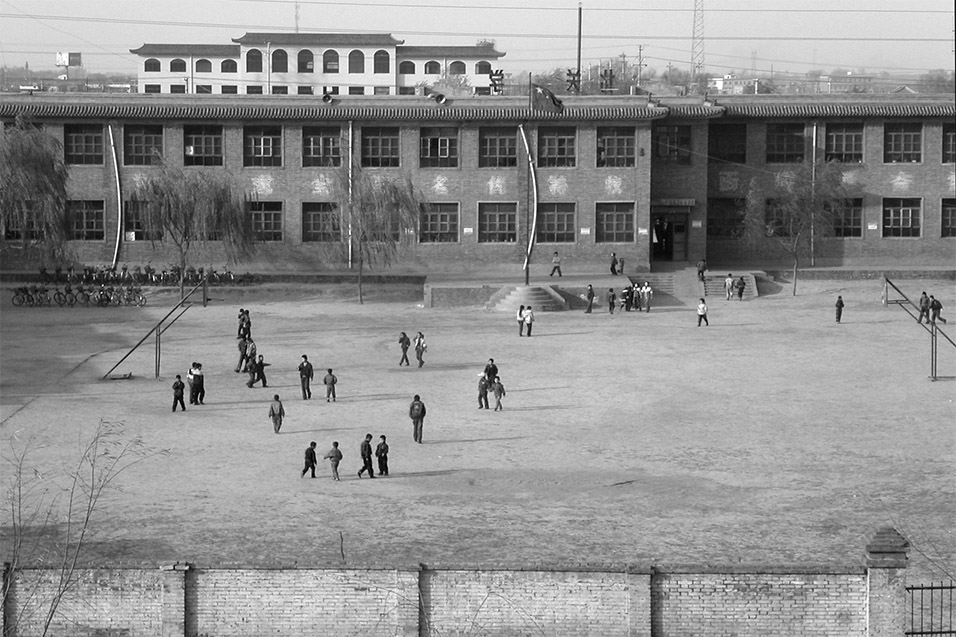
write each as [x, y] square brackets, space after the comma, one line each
[489, 381]
[525, 318]
[633, 297]
[420, 348]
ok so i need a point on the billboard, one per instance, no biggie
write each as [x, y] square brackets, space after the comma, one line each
[71, 58]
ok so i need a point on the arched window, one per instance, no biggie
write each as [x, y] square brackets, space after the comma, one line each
[306, 62]
[254, 61]
[381, 62]
[229, 66]
[280, 61]
[432, 68]
[456, 68]
[177, 66]
[152, 66]
[356, 62]
[203, 66]
[406, 68]
[483, 68]
[330, 62]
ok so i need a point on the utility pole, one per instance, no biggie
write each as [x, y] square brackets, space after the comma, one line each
[296, 17]
[697, 45]
[640, 63]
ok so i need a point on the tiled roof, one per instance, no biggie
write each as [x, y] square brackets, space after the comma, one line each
[840, 110]
[693, 111]
[448, 52]
[211, 50]
[319, 39]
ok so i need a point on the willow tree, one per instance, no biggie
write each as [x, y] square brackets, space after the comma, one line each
[33, 193]
[380, 213]
[189, 207]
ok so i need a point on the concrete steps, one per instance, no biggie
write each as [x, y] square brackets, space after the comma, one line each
[714, 286]
[540, 297]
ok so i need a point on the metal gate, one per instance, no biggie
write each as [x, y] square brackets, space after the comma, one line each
[929, 609]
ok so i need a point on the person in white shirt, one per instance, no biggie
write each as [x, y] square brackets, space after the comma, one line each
[702, 313]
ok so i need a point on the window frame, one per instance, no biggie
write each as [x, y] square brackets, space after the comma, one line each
[330, 61]
[381, 62]
[321, 222]
[305, 61]
[848, 220]
[253, 61]
[381, 147]
[496, 223]
[327, 140]
[229, 66]
[87, 219]
[497, 147]
[143, 144]
[356, 62]
[902, 142]
[672, 144]
[152, 65]
[13, 231]
[897, 220]
[728, 135]
[619, 144]
[785, 143]
[843, 142]
[619, 213]
[947, 218]
[438, 147]
[203, 66]
[556, 223]
[261, 146]
[210, 138]
[279, 61]
[83, 144]
[133, 223]
[403, 67]
[438, 222]
[266, 220]
[178, 65]
[556, 147]
[948, 143]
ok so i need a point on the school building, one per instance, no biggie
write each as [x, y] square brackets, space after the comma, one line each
[652, 180]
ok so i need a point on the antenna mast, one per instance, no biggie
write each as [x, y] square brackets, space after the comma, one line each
[296, 17]
[697, 45]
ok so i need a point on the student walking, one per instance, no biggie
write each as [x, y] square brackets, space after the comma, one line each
[416, 411]
[529, 319]
[491, 370]
[839, 308]
[276, 413]
[614, 264]
[935, 307]
[257, 372]
[329, 381]
[420, 348]
[483, 387]
[702, 270]
[306, 374]
[178, 387]
[611, 300]
[309, 460]
[555, 264]
[729, 286]
[499, 391]
[923, 307]
[741, 284]
[199, 382]
[381, 453]
[702, 313]
[520, 318]
[365, 450]
[404, 342]
[243, 346]
[647, 294]
[334, 456]
[589, 295]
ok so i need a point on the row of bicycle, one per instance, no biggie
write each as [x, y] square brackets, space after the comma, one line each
[101, 296]
[139, 275]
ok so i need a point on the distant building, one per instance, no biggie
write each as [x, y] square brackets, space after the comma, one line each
[313, 64]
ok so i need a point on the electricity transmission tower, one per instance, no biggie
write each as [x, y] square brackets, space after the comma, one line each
[697, 46]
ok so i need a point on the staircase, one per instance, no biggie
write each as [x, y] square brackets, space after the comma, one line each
[541, 298]
[714, 286]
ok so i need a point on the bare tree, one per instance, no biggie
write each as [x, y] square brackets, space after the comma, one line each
[796, 211]
[380, 213]
[50, 517]
[194, 207]
[33, 193]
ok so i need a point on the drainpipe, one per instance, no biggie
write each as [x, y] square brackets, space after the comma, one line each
[119, 196]
[813, 193]
[534, 204]
[350, 178]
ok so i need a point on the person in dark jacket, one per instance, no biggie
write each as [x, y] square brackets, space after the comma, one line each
[365, 450]
[306, 373]
[404, 342]
[923, 308]
[381, 452]
[839, 308]
[309, 460]
[589, 295]
[416, 411]
[178, 388]
[935, 307]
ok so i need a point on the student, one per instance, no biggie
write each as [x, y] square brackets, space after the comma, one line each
[702, 313]
[529, 319]
[839, 308]
[257, 372]
[499, 390]
[520, 318]
[935, 307]
[178, 388]
[923, 307]
[482, 391]
[611, 300]
[729, 286]
[381, 452]
[404, 342]
[309, 460]
[590, 297]
[555, 264]
[491, 370]
[199, 384]
[276, 413]
[647, 294]
[365, 450]
[416, 411]
[420, 348]
[305, 377]
[329, 381]
[614, 264]
[701, 270]
[334, 456]
[741, 284]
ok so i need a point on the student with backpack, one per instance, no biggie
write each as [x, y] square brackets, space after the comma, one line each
[416, 411]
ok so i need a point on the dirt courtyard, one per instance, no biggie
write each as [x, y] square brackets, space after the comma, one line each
[773, 436]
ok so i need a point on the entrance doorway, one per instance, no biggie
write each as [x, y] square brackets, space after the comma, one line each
[668, 235]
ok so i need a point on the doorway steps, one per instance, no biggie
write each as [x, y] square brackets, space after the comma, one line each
[540, 297]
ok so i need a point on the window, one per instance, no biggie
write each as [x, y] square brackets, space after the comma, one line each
[177, 88]
[87, 220]
[203, 66]
[152, 88]
[483, 68]
[497, 148]
[253, 90]
[202, 145]
[262, 146]
[152, 65]
[438, 223]
[439, 147]
[266, 220]
[949, 143]
[901, 217]
[356, 62]
[406, 68]
[321, 222]
[381, 62]
[381, 90]
[777, 221]
[254, 61]
[556, 147]
[280, 90]
[482, 90]
[555, 223]
[83, 143]
[615, 147]
[331, 90]
[142, 144]
[497, 223]
[432, 68]
[229, 66]
[456, 68]
[229, 90]
[614, 222]
[134, 223]
[280, 61]
[356, 90]
[725, 218]
[204, 89]
[321, 146]
[844, 143]
[406, 90]
[848, 219]
[305, 90]
[177, 66]
[786, 143]
[727, 142]
[902, 143]
[24, 228]
[948, 218]
[330, 62]
[672, 144]
[305, 61]
[380, 147]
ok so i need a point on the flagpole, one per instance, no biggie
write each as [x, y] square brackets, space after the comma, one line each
[530, 91]
[579, 47]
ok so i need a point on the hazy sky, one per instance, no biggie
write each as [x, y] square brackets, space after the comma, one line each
[789, 37]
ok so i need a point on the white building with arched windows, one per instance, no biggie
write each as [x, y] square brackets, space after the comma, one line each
[314, 64]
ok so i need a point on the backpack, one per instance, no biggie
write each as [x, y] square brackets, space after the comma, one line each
[417, 409]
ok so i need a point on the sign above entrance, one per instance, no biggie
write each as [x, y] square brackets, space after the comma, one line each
[683, 203]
